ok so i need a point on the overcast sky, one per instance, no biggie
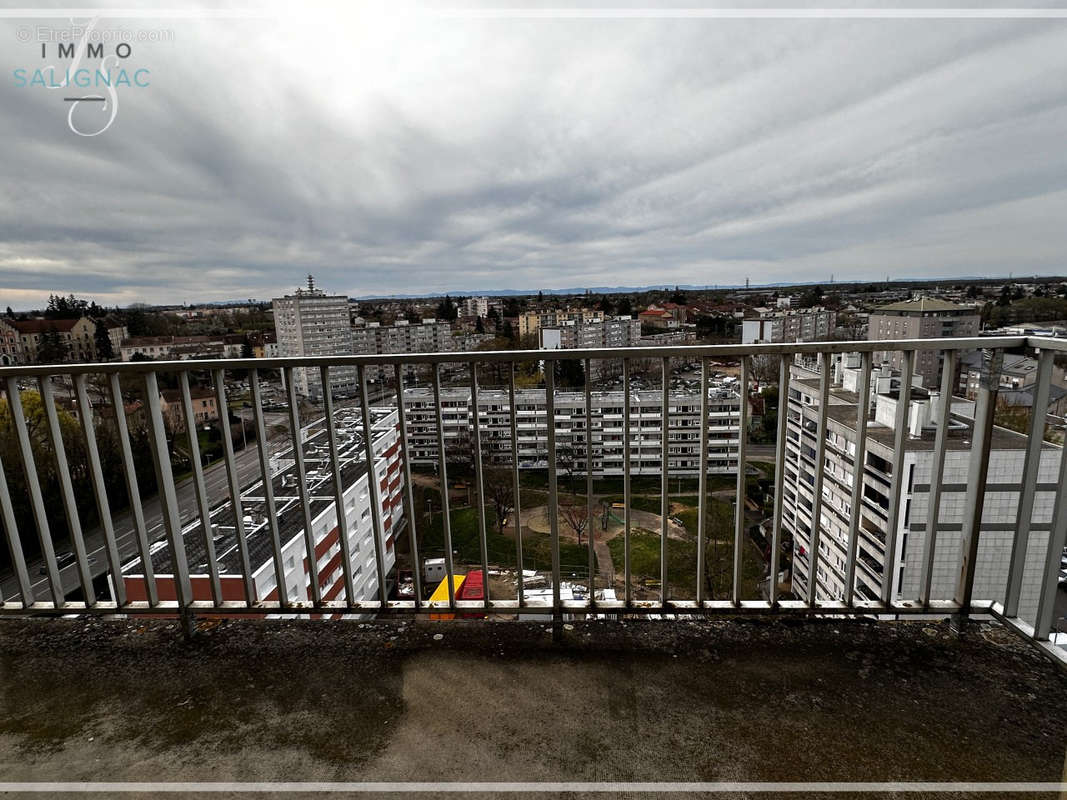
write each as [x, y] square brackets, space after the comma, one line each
[419, 154]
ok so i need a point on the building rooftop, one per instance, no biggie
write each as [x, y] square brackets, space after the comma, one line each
[657, 700]
[926, 304]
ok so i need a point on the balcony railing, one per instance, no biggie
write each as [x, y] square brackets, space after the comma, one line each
[25, 593]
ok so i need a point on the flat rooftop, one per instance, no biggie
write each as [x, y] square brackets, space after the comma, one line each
[655, 700]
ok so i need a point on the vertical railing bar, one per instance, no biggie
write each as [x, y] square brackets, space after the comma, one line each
[157, 439]
[14, 544]
[820, 457]
[779, 480]
[977, 473]
[479, 480]
[626, 480]
[133, 491]
[234, 480]
[338, 489]
[1057, 540]
[446, 513]
[517, 513]
[933, 511]
[33, 484]
[590, 519]
[859, 463]
[665, 492]
[553, 496]
[96, 474]
[375, 494]
[409, 496]
[202, 500]
[297, 437]
[900, 439]
[70, 505]
[702, 481]
[742, 483]
[268, 489]
[1031, 468]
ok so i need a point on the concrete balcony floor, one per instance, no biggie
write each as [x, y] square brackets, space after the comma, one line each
[745, 700]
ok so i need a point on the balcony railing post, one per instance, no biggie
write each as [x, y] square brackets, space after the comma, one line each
[442, 460]
[516, 489]
[858, 463]
[665, 492]
[157, 438]
[96, 474]
[779, 479]
[702, 483]
[14, 544]
[409, 497]
[70, 505]
[742, 481]
[233, 480]
[820, 458]
[374, 486]
[590, 520]
[297, 437]
[338, 487]
[900, 422]
[977, 473]
[133, 491]
[627, 591]
[933, 511]
[1031, 469]
[479, 480]
[202, 500]
[268, 490]
[553, 496]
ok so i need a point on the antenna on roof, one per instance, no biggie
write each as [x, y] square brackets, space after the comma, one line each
[311, 282]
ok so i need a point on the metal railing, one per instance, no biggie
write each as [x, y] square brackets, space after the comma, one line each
[51, 596]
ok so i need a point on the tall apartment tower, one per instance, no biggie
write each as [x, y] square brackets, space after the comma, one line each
[310, 322]
[922, 318]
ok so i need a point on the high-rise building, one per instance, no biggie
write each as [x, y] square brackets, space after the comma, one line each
[789, 325]
[611, 332]
[877, 514]
[921, 318]
[290, 521]
[310, 322]
[646, 428]
[530, 321]
[429, 336]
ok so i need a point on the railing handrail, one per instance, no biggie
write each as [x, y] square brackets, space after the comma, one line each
[503, 356]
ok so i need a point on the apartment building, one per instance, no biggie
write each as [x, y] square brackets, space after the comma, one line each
[204, 402]
[611, 332]
[531, 321]
[646, 427]
[921, 318]
[296, 571]
[474, 307]
[35, 337]
[876, 514]
[429, 336]
[310, 322]
[10, 347]
[770, 326]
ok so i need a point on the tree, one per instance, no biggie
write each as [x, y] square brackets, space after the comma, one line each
[479, 326]
[678, 296]
[569, 373]
[447, 310]
[624, 307]
[53, 349]
[576, 515]
[498, 483]
[102, 340]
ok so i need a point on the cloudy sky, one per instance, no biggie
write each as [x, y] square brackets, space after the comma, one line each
[413, 152]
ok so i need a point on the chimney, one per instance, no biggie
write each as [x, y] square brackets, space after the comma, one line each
[916, 417]
[933, 408]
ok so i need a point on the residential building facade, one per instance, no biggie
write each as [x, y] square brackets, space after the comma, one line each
[788, 325]
[921, 318]
[310, 322]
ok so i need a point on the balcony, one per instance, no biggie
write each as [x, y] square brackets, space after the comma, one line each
[83, 545]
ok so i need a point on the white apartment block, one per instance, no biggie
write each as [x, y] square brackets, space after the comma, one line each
[790, 325]
[646, 429]
[998, 519]
[531, 321]
[296, 572]
[310, 322]
[474, 307]
[611, 332]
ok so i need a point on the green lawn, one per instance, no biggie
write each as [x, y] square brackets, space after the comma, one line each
[536, 547]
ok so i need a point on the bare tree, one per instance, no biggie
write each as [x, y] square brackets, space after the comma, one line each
[499, 492]
[765, 369]
[577, 517]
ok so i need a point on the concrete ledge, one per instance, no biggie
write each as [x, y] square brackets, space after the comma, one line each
[641, 700]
